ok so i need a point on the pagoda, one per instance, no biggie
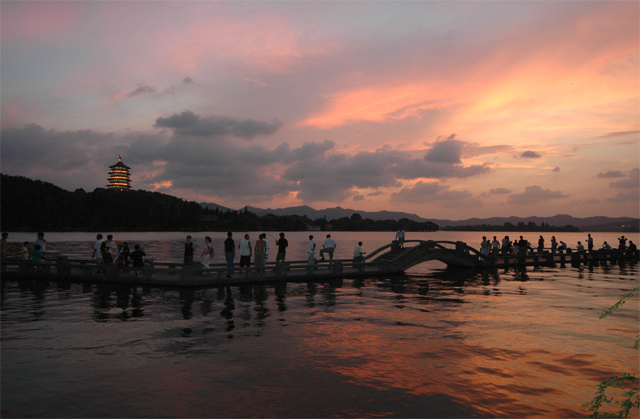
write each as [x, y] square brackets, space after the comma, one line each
[119, 176]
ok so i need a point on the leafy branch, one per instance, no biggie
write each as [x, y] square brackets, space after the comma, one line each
[628, 385]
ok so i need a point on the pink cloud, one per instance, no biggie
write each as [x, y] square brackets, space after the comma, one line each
[264, 44]
[40, 21]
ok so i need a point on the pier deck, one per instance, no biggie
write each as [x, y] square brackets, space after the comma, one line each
[389, 259]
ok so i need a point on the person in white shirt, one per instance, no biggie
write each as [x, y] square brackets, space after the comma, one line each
[495, 246]
[328, 246]
[357, 253]
[245, 251]
[312, 251]
[400, 237]
[97, 254]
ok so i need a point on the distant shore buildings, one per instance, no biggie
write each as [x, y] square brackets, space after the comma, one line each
[119, 176]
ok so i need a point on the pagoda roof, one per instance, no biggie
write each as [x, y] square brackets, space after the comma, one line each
[120, 164]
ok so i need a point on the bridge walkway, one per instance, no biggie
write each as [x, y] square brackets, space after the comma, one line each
[387, 260]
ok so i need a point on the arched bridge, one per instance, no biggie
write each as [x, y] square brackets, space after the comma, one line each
[392, 258]
[452, 253]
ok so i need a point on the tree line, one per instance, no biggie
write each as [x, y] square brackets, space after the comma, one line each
[521, 226]
[34, 205]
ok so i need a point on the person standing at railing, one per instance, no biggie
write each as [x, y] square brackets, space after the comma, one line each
[540, 244]
[38, 254]
[400, 234]
[589, 243]
[229, 252]
[207, 252]
[42, 242]
[25, 251]
[97, 254]
[137, 257]
[5, 247]
[188, 252]
[245, 251]
[260, 248]
[107, 248]
[358, 253]
[282, 244]
[312, 251]
[328, 246]
[495, 246]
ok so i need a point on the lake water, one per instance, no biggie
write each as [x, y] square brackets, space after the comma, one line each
[433, 342]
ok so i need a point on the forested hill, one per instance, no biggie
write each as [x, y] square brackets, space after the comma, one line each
[33, 205]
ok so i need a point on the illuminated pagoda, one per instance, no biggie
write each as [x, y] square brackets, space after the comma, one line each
[119, 176]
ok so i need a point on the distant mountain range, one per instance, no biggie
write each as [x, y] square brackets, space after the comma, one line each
[598, 223]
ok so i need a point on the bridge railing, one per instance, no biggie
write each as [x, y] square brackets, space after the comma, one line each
[63, 267]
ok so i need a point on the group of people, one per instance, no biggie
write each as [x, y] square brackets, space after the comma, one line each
[259, 251]
[523, 247]
[107, 252]
[37, 255]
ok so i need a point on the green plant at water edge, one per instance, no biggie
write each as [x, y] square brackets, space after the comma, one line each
[627, 385]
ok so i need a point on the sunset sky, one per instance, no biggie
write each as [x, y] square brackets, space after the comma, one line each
[445, 109]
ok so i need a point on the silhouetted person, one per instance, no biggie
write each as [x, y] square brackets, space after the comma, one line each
[188, 252]
[137, 258]
[622, 243]
[540, 244]
[400, 235]
[229, 252]
[282, 244]
[106, 248]
[5, 246]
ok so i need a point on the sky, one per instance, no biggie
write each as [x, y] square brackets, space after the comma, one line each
[444, 109]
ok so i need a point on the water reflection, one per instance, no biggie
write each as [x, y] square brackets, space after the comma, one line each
[431, 342]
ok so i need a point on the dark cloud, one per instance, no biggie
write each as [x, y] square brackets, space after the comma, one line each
[54, 150]
[611, 174]
[332, 177]
[535, 195]
[142, 90]
[556, 169]
[188, 123]
[188, 80]
[69, 159]
[632, 182]
[419, 168]
[622, 197]
[500, 191]
[201, 156]
[530, 155]
[307, 151]
[447, 151]
[358, 198]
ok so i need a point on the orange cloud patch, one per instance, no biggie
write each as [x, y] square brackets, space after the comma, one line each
[376, 104]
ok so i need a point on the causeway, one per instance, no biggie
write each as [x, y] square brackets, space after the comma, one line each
[389, 259]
